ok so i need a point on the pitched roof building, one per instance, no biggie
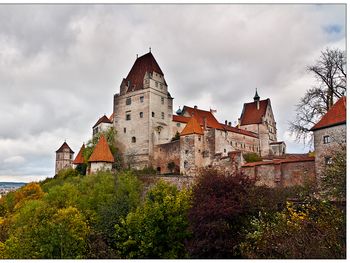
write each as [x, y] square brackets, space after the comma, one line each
[102, 153]
[144, 64]
[335, 116]
[79, 159]
[253, 112]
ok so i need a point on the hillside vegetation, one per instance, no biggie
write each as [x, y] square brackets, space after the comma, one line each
[119, 216]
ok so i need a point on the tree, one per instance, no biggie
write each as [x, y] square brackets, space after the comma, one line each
[308, 230]
[333, 178]
[219, 212]
[330, 74]
[158, 228]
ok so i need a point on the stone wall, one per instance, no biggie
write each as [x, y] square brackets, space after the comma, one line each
[337, 138]
[282, 173]
[99, 166]
[165, 154]
[64, 160]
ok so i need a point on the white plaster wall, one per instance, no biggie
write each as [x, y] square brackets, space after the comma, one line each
[100, 166]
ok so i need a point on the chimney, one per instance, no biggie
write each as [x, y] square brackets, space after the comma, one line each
[195, 106]
[226, 122]
[205, 123]
[229, 123]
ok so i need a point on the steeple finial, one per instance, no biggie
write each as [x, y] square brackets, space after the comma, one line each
[150, 49]
[256, 97]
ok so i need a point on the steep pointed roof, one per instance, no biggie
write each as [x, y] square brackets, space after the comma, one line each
[103, 119]
[80, 158]
[192, 127]
[101, 153]
[335, 115]
[251, 114]
[64, 146]
[143, 64]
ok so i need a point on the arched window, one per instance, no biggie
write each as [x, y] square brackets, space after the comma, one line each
[133, 139]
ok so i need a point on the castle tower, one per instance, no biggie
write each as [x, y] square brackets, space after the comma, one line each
[257, 116]
[101, 158]
[64, 157]
[142, 112]
[191, 145]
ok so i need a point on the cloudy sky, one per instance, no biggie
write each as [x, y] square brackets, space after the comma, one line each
[61, 64]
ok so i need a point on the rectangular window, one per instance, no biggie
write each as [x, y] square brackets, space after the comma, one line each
[163, 115]
[162, 100]
[328, 160]
[326, 139]
[128, 101]
[141, 99]
[141, 114]
[152, 114]
[128, 115]
[124, 130]
[156, 83]
[178, 124]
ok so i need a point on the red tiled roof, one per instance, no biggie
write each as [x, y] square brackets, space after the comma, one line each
[237, 130]
[63, 146]
[80, 158]
[200, 115]
[103, 119]
[335, 115]
[192, 127]
[251, 114]
[143, 64]
[111, 117]
[280, 161]
[101, 153]
[179, 118]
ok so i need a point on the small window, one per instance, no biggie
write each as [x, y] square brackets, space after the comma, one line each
[71, 156]
[141, 99]
[124, 130]
[128, 117]
[199, 151]
[186, 151]
[161, 86]
[141, 114]
[152, 114]
[178, 124]
[156, 83]
[224, 150]
[185, 164]
[162, 99]
[128, 101]
[133, 139]
[163, 115]
[328, 160]
[326, 139]
[199, 138]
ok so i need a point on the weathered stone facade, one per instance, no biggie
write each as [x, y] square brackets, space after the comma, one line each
[64, 158]
[326, 142]
[281, 173]
[330, 135]
[142, 117]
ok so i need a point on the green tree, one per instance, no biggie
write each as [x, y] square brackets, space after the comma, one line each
[158, 228]
[333, 178]
[311, 230]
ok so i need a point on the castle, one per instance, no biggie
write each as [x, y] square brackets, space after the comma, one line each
[150, 135]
